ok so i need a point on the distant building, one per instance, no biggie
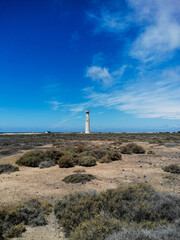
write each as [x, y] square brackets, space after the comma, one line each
[48, 132]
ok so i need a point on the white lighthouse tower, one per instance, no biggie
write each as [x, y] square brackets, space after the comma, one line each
[87, 129]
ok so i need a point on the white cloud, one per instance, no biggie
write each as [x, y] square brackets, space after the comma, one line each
[103, 76]
[157, 40]
[99, 74]
[152, 93]
[158, 23]
[108, 21]
[145, 98]
[55, 104]
[160, 34]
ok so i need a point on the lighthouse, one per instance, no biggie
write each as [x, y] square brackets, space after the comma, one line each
[87, 128]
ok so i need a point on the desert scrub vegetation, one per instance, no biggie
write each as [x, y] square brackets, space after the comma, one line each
[8, 168]
[67, 161]
[40, 158]
[14, 218]
[87, 161]
[79, 178]
[172, 168]
[97, 228]
[132, 148]
[88, 156]
[151, 152]
[136, 206]
[14, 231]
[159, 233]
[111, 156]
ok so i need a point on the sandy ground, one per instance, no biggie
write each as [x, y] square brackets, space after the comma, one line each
[47, 183]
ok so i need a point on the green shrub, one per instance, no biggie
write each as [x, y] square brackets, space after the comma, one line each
[13, 218]
[111, 156]
[96, 229]
[87, 161]
[75, 209]
[80, 148]
[98, 153]
[172, 168]
[14, 231]
[114, 156]
[7, 168]
[137, 206]
[78, 178]
[132, 148]
[159, 233]
[105, 159]
[67, 161]
[151, 152]
[34, 158]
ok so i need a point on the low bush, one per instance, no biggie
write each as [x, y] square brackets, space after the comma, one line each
[98, 153]
[46, 164]
[67, 161]
[132, 148]
[78, 178]
[87, 161]
[164, 233]
[172, 168]
[80, 148]
[75, 209]
[14, 231]
[36, 157]
[136, 206]
[6, 152]
[13, 218]
[114, 156]
[8, 168]
[151, 152]
[96, 229]
[105, 159]
[111, 156]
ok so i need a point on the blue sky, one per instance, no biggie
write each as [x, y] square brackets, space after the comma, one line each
[120, 59]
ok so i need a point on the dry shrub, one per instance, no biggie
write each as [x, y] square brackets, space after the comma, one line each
[87, 161]
[161, 232]
[172, 168]
[78, 178]
[14, 231]
[97, 228]
[137, 206]
[111, 156]
[8, 168]
[67, 161]
[132, 148]
[151, 152]
[13, 218]
[36, 157]
[80, 148]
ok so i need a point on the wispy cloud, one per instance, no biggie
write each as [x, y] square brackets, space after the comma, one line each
[55, 104]
[158, 23]
[99, 74]
[103, 76]
[64, 122]
[106, 20]
[161, 36]
[151, 93]
[144, 99]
